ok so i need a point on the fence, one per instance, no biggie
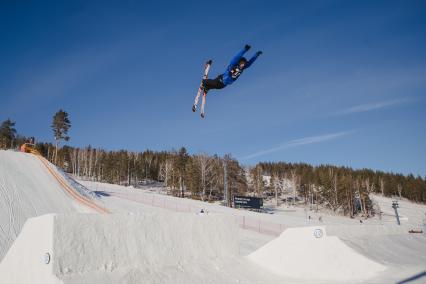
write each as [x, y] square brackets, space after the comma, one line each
[245, 222]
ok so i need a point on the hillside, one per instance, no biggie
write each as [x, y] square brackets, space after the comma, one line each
[157, 238]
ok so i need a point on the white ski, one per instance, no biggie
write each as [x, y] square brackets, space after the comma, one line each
[203, 103]
[200, 89]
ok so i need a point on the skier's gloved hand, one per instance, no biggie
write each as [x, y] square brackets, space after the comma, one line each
[247, 47]
[259, 53]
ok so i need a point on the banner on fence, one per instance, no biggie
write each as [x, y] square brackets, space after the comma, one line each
[248, 202]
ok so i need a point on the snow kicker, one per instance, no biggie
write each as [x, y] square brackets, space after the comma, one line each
[308, 253]
[74, 247]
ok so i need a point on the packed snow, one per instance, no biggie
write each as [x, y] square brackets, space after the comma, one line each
[308, 253]
[26, 190]
[154, 238]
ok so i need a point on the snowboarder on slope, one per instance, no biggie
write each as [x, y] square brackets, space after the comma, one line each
[234, 70]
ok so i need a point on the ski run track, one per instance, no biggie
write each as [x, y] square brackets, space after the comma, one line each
[56, 230]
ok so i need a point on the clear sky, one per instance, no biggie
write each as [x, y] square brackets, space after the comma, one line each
[340, 82]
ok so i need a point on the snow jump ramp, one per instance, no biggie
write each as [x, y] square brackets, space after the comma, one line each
[308, 253]
[75, 248]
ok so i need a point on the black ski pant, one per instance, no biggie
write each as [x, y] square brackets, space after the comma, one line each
[213, 83]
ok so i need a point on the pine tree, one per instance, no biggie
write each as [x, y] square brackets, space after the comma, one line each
[7, 134]
[60, 126]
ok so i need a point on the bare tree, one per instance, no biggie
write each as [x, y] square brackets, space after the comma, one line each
[357, 186]
[97, 166]
[334, 201]
[259, 182]
[273, 184]
[215, 177]
[294, 180]
[278, 186]
[91, 154]
[312, 192]
[382, 186]
[73, 160]
[205, 166]
[399, 187]
[166, 172]
[148, 161]
[256, 179]
[369, 188]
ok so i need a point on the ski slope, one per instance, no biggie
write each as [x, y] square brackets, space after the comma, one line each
[26, 190]
[310, 254]
[30, 186]
[112, 248]
[376, 242]
[152, 238]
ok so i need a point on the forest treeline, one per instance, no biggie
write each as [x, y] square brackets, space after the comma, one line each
[199, 176]
[202, 176]
[342, 188]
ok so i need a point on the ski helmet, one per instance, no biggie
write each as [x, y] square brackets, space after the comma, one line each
[242, 60]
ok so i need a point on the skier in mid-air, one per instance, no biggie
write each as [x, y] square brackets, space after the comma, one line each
[234, 70]
[236, 67]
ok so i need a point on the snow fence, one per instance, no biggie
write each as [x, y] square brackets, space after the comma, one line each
[183, 205]
[53, 248]
[308, 253]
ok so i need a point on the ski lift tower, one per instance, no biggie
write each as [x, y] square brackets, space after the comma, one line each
[395, 207]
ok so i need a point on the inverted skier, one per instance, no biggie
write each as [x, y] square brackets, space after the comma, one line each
[235, 68]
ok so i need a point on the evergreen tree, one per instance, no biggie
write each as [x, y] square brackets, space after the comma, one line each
[182, 160]
[60, 126]
[7, 134]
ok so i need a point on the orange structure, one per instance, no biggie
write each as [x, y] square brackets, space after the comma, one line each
[28, 148]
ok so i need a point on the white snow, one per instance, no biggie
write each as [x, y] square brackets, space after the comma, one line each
[25, 262]
[26, 190]
[308, 253]
[153, 238]
[378, 240]
[412, 215]
[83, 244]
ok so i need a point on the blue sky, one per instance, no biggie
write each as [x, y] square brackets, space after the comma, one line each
[340, 82]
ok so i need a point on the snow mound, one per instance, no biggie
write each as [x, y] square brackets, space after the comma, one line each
[308, 253]
[27, 190]
[67, 248]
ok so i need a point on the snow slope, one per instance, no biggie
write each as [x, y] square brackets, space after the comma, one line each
[26, 190]
[379, 240]
[112, 247]
[308, 253]
[147, 240]
[108, 248]
[411, 215]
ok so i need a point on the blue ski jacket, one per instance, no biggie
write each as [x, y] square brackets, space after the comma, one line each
[233, 71]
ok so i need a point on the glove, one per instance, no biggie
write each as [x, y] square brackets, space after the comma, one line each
[259, 53]
[247, 47]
